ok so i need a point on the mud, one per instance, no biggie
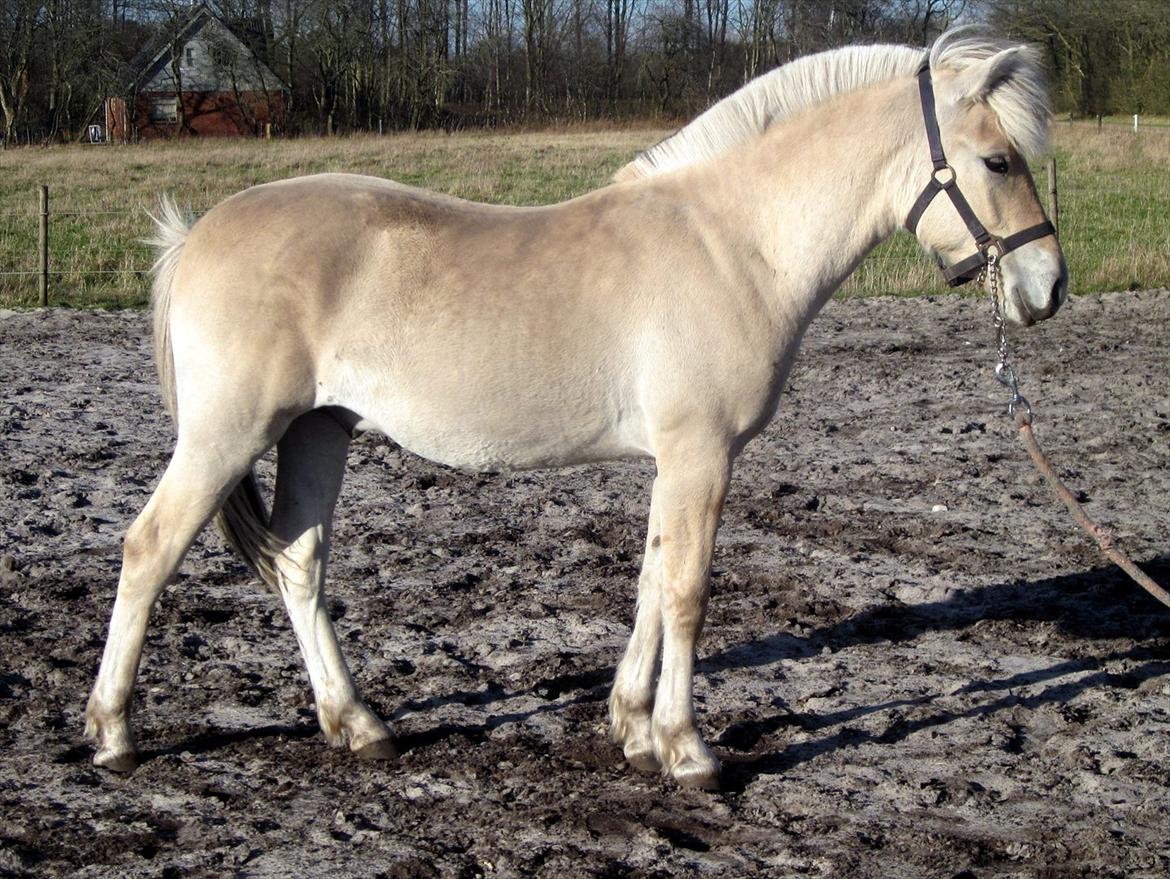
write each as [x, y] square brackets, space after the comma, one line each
[912, 666]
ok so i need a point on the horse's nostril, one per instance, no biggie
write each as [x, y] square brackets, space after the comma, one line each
[1054, 302]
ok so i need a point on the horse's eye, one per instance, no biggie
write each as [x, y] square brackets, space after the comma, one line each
[996, 164]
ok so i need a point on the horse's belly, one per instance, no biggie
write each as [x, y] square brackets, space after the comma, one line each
[486, 431]
[526, 448]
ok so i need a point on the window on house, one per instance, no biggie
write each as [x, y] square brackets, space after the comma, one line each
[189, 54]
[164, 110]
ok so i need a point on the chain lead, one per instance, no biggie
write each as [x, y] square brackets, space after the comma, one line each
[1004, 372]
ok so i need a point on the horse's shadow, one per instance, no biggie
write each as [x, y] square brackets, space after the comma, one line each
[1098, 604]
[738, 773]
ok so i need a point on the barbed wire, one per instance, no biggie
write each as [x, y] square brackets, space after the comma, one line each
[1118, 123]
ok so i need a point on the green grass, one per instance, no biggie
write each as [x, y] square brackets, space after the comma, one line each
[1114, 194]
[1114, 205]
[99, 195]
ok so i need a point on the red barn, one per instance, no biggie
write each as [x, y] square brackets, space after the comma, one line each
[205, 81]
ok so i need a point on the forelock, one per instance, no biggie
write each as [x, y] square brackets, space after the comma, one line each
[1021, 102]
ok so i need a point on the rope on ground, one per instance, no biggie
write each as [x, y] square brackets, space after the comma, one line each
[1102, 536]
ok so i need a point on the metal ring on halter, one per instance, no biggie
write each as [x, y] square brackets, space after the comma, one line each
[944, 184]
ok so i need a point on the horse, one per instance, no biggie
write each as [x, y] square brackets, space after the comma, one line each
[656, 317]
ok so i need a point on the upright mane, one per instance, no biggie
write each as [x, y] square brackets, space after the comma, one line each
[1021, 103]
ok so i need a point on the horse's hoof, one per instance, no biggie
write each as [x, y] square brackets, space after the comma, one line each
[643, 760]
[697, 776]
[126, 761]
[380, 750]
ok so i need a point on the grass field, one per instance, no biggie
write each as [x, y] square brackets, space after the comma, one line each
[1114, 192]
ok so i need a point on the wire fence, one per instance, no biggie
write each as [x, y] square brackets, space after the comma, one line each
[99, 252]
[88, 270]
[1112, 226]
[1137, 122]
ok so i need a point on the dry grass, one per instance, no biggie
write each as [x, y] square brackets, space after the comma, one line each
[99, 196]
[1114, 194]
[1115, 205]
[1115, 198]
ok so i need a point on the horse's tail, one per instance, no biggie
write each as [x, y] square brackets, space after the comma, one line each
[171, 225]
[243, 519]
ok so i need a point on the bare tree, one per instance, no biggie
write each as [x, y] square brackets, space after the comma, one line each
[618, 15]
[359, 63]
[19, 22]
[763, 21]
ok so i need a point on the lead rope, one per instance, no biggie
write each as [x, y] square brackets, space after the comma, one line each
[1021, 411]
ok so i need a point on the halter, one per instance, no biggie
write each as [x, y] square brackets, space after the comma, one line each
[942, 179]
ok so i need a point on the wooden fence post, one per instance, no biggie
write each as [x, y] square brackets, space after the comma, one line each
[1053, 203]
[43, 241]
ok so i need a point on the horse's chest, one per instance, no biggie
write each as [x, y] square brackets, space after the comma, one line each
[754, 387]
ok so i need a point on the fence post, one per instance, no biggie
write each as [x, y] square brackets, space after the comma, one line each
[43, 241]
[1053, 203]
[1135, 123]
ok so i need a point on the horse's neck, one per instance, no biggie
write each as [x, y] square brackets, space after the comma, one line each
[822, 191]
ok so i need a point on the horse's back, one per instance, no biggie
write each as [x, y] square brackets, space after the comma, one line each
[467, 332]
[476, 335]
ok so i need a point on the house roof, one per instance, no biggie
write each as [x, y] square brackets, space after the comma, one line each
[200, 19]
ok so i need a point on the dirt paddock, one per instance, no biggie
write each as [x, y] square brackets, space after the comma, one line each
[912, 667]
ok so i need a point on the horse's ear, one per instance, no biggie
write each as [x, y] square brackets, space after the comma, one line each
[977, 82]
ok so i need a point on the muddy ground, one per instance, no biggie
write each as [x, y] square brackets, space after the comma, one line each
[913, 667]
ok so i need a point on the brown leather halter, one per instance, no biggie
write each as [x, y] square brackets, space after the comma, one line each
[942, 179]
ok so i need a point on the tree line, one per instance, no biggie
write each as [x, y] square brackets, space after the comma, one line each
[375, 64]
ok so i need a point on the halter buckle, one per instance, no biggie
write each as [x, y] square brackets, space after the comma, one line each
[993, 250]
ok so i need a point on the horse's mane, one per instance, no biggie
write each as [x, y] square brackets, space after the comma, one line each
[1020, 103]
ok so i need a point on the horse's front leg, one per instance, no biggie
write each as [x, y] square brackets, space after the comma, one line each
[690, 490]
[632, 699]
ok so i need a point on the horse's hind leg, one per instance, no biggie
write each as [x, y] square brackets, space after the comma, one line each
[191, 490]
[309, 470]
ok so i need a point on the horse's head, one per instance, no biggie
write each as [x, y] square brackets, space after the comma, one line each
[990, 101]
